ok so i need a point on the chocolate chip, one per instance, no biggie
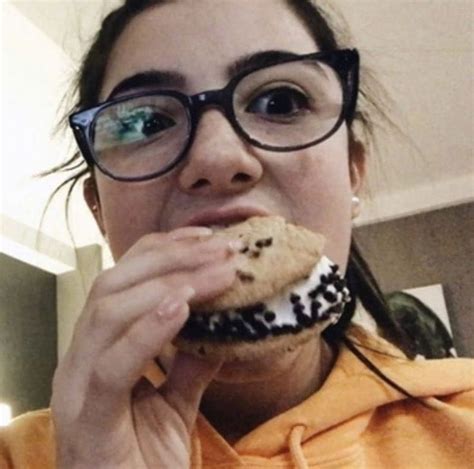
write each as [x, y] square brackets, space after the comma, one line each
[280, 330]
[324, 315]
[269, 316]
[333, 277]
[334, 268]
[261, 329]
[254, 254]
[244, 250]
[298, 308]
[252, 336]
[294, 298]
[263, 243]
[237, 328]
[226, 326]
[245, 277]
[249, 312]
[324, 279]
[330, 297]
[219, 329]
[319, 290]
[268, 242]
[303, 320]
[277, 330]
[315, 307]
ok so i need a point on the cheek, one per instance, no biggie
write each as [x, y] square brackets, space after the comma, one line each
[318, 190]
[130, 211]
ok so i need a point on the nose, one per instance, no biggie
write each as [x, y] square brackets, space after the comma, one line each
[218, 162]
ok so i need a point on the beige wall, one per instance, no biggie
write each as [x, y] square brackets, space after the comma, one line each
[72, 290]
[434, 247]
[36, 73]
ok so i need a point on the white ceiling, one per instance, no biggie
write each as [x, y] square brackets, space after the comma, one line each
[423, 52]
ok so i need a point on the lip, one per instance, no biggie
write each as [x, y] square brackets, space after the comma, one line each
[224, 215]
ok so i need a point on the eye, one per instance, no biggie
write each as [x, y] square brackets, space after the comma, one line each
[143, 124]
[282, 101]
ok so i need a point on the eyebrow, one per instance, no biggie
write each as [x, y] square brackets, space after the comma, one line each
[159, 78]
[258, 59]
[148, 78]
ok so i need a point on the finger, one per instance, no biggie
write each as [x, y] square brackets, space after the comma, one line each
[113, 315]
[169, 257]
[154, 240]
[97, 365]
[122, 364]
[186, 383]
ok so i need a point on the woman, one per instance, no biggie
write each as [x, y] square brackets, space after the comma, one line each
[316, 406]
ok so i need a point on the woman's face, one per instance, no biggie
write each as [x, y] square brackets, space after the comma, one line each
[200, 40]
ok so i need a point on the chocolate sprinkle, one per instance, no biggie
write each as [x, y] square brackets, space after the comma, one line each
[298, 308]
[245, 277]
[260, 327]
[254, 322]
[263, 243]
[303, 319]
[324, 279]
[294, 298]
[330, 297]
[315, 307]
[269, 316]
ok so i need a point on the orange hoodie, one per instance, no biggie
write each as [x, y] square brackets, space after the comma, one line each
[355, 420]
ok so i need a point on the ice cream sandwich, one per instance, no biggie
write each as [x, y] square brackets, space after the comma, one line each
[285, 287]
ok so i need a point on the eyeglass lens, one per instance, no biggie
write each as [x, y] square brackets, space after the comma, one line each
[281, 106]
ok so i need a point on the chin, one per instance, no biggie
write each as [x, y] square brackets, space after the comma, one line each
[240, 371]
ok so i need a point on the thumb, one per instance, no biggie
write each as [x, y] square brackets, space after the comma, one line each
[186, 383]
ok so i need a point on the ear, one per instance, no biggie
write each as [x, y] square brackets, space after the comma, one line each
[357, 164]
[91, 196]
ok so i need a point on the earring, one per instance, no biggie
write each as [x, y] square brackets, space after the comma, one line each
[355, 206]
[94, 208]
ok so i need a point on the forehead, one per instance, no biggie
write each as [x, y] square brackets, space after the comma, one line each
[199, 39]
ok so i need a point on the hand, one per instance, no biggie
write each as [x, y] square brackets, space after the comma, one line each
[102, 418]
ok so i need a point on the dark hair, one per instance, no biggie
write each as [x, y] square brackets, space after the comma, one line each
[359, 277]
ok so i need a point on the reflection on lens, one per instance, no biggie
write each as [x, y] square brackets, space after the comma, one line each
[140, 136]
[290, 104]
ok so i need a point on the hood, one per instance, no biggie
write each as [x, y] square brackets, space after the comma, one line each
[350, 391]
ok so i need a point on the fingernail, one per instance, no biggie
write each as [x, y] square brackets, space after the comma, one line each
[186, 293]
[195, 232]
[169, 308]
[171, 305]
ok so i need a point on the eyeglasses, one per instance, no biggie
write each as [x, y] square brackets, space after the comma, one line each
[284, 106]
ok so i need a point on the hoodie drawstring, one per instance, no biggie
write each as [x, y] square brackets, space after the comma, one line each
[296, 451]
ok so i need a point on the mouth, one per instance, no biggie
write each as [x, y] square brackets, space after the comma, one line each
[224, 217]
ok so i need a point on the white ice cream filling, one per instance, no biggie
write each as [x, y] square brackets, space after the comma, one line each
[319, 297]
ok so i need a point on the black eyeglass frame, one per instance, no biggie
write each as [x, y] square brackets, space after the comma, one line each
[344, 62]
